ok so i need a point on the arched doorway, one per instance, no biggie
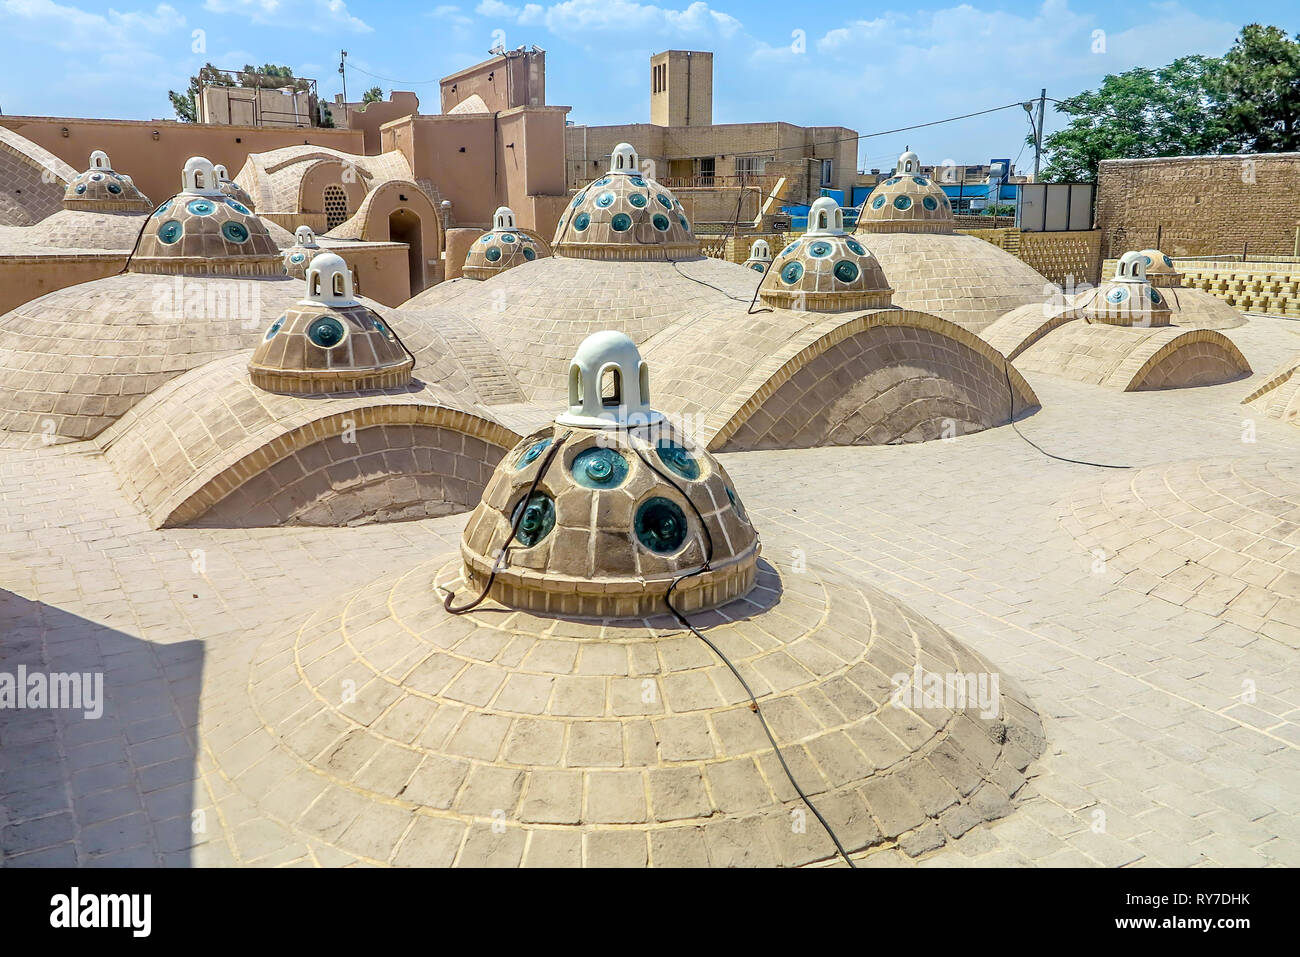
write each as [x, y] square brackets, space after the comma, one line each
[404, 227]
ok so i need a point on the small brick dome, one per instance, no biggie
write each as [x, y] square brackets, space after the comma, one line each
[907, 202]
[613, 521]
[101, 188]
[826, 270]
[625, 215]
[502, 247]
[329, 342]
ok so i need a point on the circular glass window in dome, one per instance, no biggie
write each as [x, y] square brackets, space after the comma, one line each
[664, 201]
[605, 200]
[81, 188]
[381, 328]
[297, 257]
[535, 518]
[508, 238]
[326, 332]
[531, 454]
[487, 238]
[892, 181]
[1146, 260]
[946, 204]
[679, 460]
[97, 176]
[660, 525]
[791, 273]
[170, 231]
[846, 271]
[275, 327]
[920, 181]
[735, 503]
[661, 222]
[685, 223]
[819, 250]
[238, 207]
[114, 188]
[1116, 296]
[201, 207]
[637, 199]
[603, 181]
[581, 221]
[493, 254]
[599, 468]
[637, 181]
[1168, 262]
[1155, 297]
[902, 202]
[757, 267]
[235, 232]
[163, 208]
[529, 253]
[577, 200]
[878, 202]
[856, 246]
[621, 222]
[930, 203]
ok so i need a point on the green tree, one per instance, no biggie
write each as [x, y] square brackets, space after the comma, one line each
[1259, 88]
[1170, 111]
[186, 104]
[372, 95]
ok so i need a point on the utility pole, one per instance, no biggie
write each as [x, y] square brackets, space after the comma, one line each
[343, 73]
[1038, 133]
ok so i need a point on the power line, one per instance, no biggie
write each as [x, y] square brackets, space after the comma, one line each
[389, 79]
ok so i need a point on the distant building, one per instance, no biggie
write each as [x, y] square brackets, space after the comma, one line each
[685, 150]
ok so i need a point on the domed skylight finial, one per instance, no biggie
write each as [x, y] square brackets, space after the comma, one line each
[609, 385]
[909, 164]
[99, 161]
[623, 159]
[504, 218]
[825, 218]
[223, 174]
[200, 177]
[329, 281]
[1132, 267]
[304, 236]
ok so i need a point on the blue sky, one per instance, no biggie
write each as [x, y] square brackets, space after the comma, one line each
[825, 63]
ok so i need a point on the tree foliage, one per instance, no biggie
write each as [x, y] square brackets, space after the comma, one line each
[1170, 111]
[372, 95]
[268, 77]
[1258, 86]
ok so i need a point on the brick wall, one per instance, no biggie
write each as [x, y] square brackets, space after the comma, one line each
[1271, 287]
[1200, 205]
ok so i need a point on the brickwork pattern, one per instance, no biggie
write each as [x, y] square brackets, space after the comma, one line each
[73, 361]
[74, 229]
[1130, 358]
[199, 440]
[1199, 205]
[34, 180]
[962, 279]
[1217, 537]
[503, 739]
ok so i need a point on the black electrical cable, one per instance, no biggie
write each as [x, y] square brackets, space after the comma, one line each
[686, 623]
[1006, 369]
[140, 233]
[499, 563]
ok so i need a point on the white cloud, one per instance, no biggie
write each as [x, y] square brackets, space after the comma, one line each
[575, 17]
[316, 15]
[68, 27]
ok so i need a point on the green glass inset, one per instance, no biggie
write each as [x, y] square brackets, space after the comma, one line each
[637, 199]
[735, 503]
[235, 232]
[791, 273]
[170, 231]
[661, 222]
[581, 222]
[537, 520]
[492, 254]
[846, 271]
[878, 202]
[326, 332]
[529, 253]
[660, 525]
[621, 222]
[201, 207]
[855, 246]
[679, 460]
[532, 452]
[930, 203]
[902, 202]
[820, 250]
[599, 468]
